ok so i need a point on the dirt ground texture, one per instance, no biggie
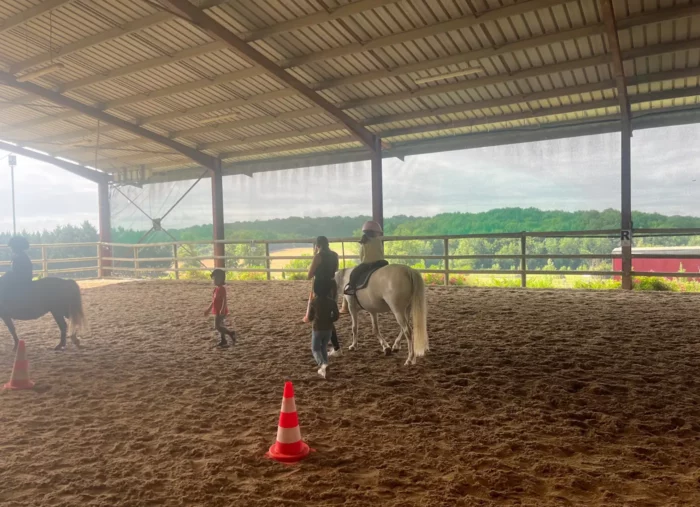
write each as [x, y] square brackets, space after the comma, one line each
[526, 398]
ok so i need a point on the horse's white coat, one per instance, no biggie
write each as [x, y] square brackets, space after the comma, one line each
[397, 289]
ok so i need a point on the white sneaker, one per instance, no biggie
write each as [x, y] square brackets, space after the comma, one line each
[323, 370]
[336, 353]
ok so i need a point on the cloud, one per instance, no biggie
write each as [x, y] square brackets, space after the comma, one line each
[569, 174]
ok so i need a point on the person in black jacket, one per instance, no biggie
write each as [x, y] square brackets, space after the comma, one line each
[21, 273]
[322, 270]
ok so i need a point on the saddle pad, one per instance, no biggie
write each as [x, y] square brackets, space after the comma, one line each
[364, 279]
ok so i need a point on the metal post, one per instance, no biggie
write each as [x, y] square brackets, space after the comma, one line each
[626, 205]
[446, 252]
[377, 189]
[105, 222]
[268, 264]
[176, 263]
[12, 159]
[523, 260]
[217, 208]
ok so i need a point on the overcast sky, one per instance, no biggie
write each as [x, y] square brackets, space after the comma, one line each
[570, 174]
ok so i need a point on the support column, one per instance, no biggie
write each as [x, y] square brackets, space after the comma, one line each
[105, 222]
[217, 207]
[377, 188]
[617, 64]
[626, 205]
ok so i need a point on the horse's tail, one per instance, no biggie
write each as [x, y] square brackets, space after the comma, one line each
[75, 309]
[419, 313]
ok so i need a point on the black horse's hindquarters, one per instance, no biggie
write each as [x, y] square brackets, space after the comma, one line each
[61, 298]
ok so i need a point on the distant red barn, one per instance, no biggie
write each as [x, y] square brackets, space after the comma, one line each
[662, 265]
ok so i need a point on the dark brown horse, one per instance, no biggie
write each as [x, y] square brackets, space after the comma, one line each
[61, 298]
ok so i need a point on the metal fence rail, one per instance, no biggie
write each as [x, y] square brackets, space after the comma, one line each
[119, 259]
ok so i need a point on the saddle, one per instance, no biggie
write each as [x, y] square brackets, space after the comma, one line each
[364, 277]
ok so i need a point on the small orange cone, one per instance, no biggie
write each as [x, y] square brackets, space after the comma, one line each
[308, 307]
[20, 372]
[289, 447]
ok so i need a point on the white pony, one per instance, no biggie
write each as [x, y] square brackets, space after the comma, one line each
[397, 289]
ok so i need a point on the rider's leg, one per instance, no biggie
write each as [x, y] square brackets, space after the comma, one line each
[355, 275]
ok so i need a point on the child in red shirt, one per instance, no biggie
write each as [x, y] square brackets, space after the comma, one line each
[219, 307]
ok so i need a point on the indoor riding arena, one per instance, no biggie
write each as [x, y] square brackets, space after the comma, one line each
[525, 398]
[531, 397]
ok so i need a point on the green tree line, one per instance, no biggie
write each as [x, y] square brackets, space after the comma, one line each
[505, 220]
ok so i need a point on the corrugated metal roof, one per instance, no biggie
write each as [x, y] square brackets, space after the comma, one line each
[542, 63]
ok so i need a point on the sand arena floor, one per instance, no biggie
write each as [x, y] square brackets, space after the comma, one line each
[526, 398]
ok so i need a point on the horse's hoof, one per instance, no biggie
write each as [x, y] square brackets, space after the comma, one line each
[387, 351]
[60, 346]
[407, 363]
[351, 347]
[396, 348]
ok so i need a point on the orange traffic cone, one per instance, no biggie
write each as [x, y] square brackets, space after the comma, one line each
[308, 307]
[289, 448]
[20, 372]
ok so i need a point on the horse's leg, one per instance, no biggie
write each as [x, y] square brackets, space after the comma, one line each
[354, 315]
[74, 337]
[375, 329]
[58, 317]
[11, 328]
[397, 344]
[405, 330]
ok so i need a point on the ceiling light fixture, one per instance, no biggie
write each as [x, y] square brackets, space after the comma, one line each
[29, 76]
[440, 77]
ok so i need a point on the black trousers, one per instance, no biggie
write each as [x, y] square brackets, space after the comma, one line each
[221, 329]
[334, 339]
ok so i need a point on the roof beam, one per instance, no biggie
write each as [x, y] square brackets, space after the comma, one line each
[472, 83]
[617, 65]
[422, 113]
[647, 18]
[98, 38]
[664, 14]
[466, 21]
[207, 161]
[210, 26]
[31, 13]
[489, 120]
[663, 117]
[293, 24]
[520, 100]
[79, 170]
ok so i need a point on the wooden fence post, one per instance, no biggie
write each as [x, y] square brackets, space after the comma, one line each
[523, 260]
[176, 263]
[44, 263]
[100, 272]
[342, 249]
[446, 252]
[137, 265]
[268, 262]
